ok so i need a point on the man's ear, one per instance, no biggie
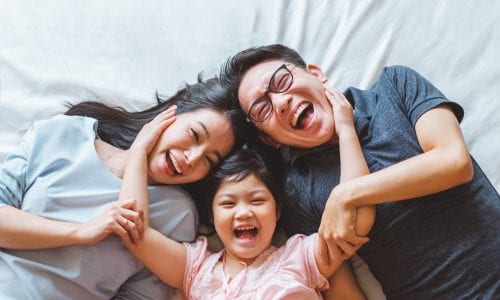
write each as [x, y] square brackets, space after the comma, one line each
[316, 71]
[266, 139]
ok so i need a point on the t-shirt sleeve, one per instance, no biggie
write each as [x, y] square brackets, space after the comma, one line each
[416, 94]
[299, 258]
[13, 173]
[196, 254]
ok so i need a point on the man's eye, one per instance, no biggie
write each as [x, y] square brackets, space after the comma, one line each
[282, 82]
[194, 135]
[262, 109]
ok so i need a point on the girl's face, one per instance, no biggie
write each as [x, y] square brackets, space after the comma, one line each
[244, 215]
[190, 147]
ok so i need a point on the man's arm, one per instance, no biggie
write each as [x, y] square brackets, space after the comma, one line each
[445, 163]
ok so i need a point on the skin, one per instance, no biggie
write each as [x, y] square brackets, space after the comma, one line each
[245, 203]
[308, 86]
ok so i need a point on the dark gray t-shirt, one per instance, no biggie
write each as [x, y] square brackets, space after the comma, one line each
[444, 245]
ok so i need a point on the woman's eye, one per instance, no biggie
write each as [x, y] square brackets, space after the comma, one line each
[227, 204]
[195, 136]
[210, 162]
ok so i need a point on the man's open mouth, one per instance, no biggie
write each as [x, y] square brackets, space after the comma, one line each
[302, 115]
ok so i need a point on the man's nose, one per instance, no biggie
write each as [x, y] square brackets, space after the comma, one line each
[281, 102]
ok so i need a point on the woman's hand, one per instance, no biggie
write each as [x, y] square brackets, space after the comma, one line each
[149, 134]
[123, 218]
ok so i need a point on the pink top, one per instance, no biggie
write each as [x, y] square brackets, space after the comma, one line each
[288, 272]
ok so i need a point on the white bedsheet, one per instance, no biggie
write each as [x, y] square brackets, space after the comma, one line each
[123, 51]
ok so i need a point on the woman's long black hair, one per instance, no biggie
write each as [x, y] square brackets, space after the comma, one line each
[119, 127]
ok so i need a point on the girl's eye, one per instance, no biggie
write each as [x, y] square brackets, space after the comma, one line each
[227, 204]
[258, 201]
[195, 135]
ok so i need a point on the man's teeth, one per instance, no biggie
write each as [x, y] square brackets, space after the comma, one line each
[297, 113]
[174, 162]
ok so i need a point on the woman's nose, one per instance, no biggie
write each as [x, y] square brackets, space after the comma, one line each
[192, 156]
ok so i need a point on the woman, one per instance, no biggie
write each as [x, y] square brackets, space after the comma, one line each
[55, 194]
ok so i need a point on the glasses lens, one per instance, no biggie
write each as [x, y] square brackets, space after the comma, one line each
[261, 109]
[281, 81]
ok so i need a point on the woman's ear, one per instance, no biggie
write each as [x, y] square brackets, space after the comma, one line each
[266, 139]
[316, 71]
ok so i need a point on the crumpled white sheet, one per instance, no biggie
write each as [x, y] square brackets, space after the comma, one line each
[123, 51]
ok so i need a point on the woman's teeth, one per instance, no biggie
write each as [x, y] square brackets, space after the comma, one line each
[297, 114]
[174, 162]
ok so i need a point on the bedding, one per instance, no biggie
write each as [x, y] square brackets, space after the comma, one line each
[123, 52]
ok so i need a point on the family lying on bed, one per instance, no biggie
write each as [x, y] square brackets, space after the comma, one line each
[84, 184]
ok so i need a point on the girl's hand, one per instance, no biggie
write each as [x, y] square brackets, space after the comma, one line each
[342, 110]
[338, 224]
[149, 134]
[123, 218]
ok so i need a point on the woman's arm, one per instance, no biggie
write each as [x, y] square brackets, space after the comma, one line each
[26, 231]
[165, 257]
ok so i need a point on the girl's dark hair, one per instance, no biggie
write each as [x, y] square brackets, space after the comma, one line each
[119, 127]
[260, 160]
[236, 66]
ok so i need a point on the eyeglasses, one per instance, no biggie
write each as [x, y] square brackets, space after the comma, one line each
[262, 108]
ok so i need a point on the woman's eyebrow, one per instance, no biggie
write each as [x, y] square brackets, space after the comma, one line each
[204, 129]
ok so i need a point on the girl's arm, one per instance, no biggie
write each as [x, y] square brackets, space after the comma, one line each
[352, 165]
[165, 257]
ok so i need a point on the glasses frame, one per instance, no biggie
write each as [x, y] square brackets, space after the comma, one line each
[266, 97]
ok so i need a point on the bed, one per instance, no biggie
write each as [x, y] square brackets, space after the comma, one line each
[123, 52]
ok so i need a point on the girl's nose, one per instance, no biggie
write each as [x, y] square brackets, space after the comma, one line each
[243, 212]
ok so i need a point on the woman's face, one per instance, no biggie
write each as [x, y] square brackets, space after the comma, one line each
[190, 147]
[244, 216]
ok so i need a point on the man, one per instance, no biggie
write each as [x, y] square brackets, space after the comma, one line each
[438, 216]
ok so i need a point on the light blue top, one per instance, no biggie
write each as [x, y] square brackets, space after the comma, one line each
[57, 174]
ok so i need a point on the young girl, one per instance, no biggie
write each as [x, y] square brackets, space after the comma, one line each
[245, 206]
